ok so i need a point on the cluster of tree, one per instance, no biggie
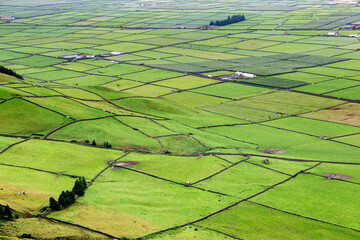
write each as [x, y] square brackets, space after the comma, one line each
[229, 20]
[67, 197]
[93, 143]
[9, 72]
[5, 212]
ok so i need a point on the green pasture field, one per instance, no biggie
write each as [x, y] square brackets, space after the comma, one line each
[353, 139]
[350, 64]
[304, 77]
[55, 75]
[36, 61]
[284, 166]
[191, 99]
[324, 150]
[148, 126]
[271, 224]
[84, 80]
[189, 232]
[61, 158]
[293, 48]
[125, 47]
[349, 93]
[121, 84]
[187, 82]
[42, 228]
[149, 90]
[253, 179]
[230, 90]
[244, 113]
[117, 70]
[324, 193]
[252, 44]
[38, 187]
[191, 169]
[7, 55]
[260, 135]
[7, 93]
[151, 75]
[176, 111]
[107, 130]
[117, 190]
[332, 72]
[328, 86]
[78, 66]
[290, 103]
[78, 93]
[69, 107]
[197, 53]
[27, 118]
[314, 127]
[205, 138]
[7, 141]
[352, 171]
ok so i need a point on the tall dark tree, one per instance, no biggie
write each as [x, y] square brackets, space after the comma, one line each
[78, 188]
[63, 200]
[1, 211]
[71, 196]
[7, 213]
[54, 205]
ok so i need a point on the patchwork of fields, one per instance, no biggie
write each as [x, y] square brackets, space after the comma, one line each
[195, 153]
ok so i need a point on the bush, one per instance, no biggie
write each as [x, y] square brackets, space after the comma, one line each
[7, 213]
[54, 205]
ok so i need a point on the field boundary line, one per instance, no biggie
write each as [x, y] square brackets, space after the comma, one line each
[11, 145]
[109, 166]
[234, 204]
[298, 215]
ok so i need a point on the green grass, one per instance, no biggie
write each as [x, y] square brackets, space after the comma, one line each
[328, 86]
[38, 187]
[251, 221]
[36, 61]
[187, 168]
[69, 107]
[287, 102]
[41, 228]
[55, 75]
[307, 190]
[189, 232]
[107, 130]
[60, 157]
[191, 99]
[231, 90]
[186, 82]
[140, 199]
[354, 139]
[314, 127]
[348, 93]
[145, 125]
[27, 118]
[242, 180]
[265, 137]
[175, 111]
[244, 113]
[7, 141]
[117, 70]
